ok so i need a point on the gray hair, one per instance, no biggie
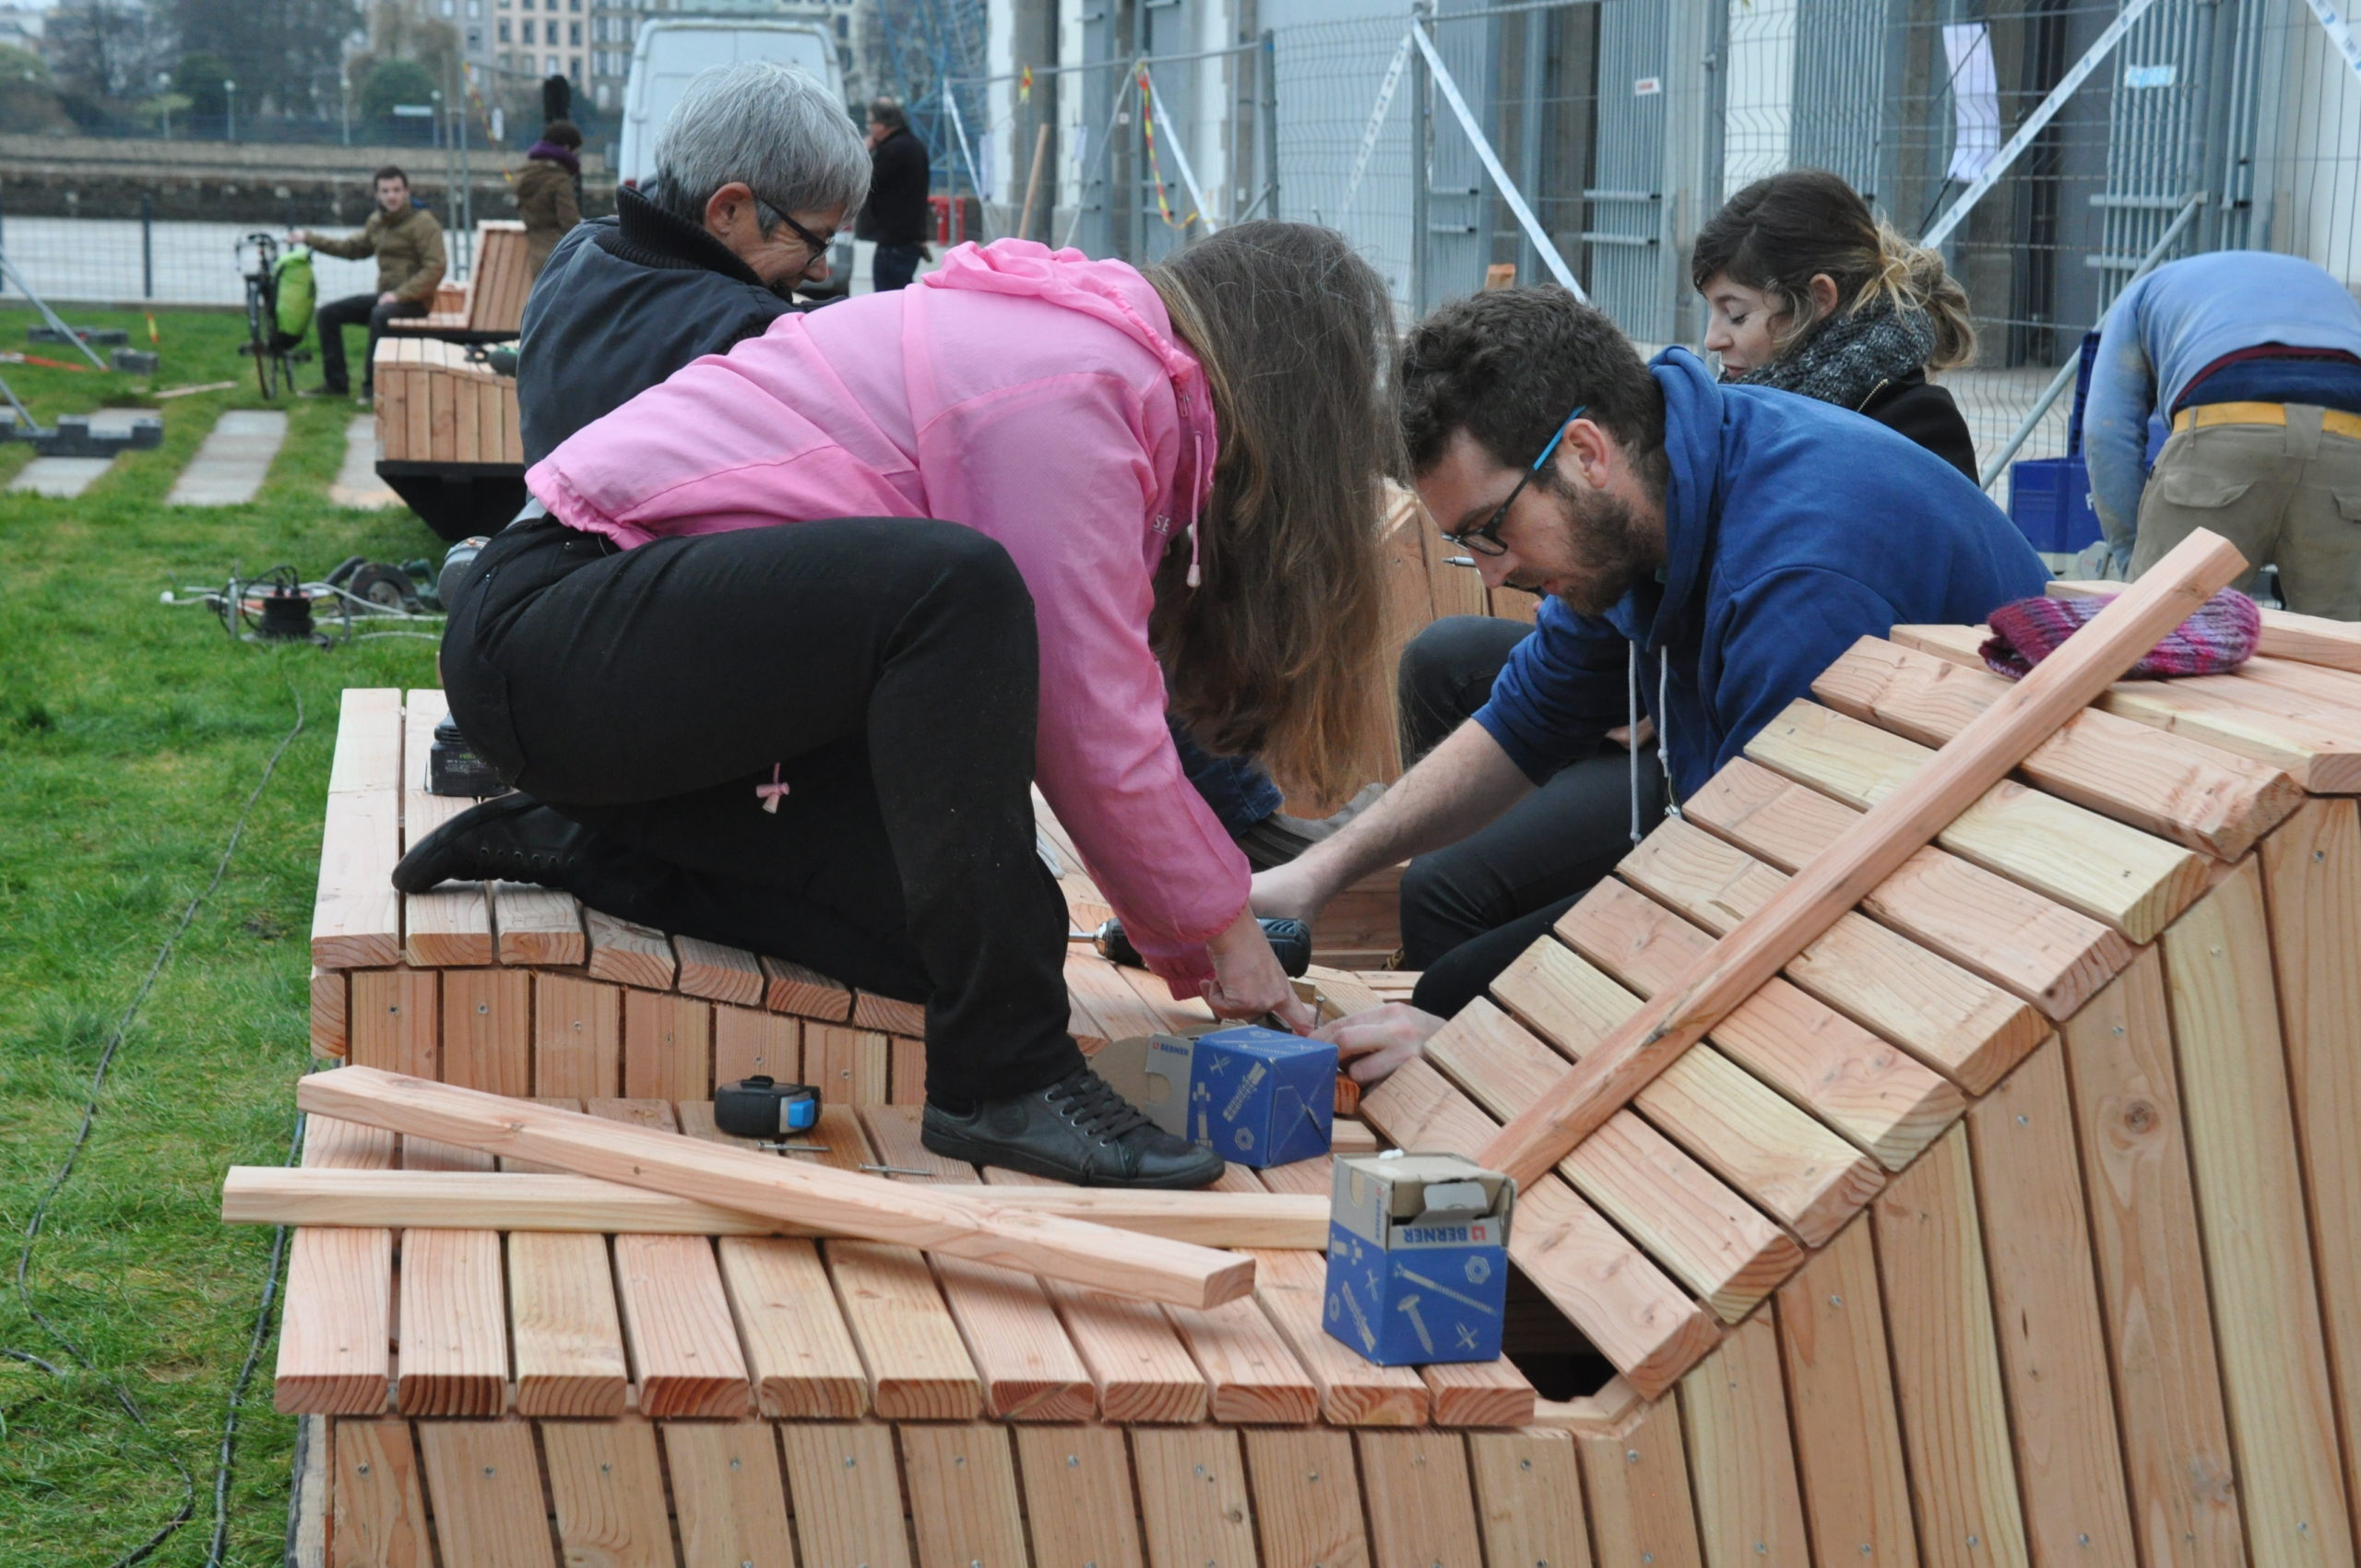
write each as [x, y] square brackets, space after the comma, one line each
[767, 125]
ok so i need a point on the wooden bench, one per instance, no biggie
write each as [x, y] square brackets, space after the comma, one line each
[489, 307]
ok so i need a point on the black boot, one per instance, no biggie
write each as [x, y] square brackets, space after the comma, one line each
[510, 837]
[1078, 1130]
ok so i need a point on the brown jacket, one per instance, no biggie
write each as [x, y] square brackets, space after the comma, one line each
[408, 249]
[545, 200]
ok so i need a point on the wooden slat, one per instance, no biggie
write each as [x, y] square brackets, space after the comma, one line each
[1704, 1234]
[2250, 1206]
[2053, 1351]
[2132, 881]
[467, 422]
[964, 1507]
[727, 1494]
[418, 406]
[1306, 1497]
[1352, 1391]
[751, 1043]
[1641, 1509]
[1946, 1361]
[1796, 1169]
[356, 916]
[1529, 1498]
[1194, 1504]
[536, 925]
[1136, 1358]
[630, 954]
[578, 1037]
[568, 1336]
[336, 1335]
[453, 1319]
[2054, 957]
[720, 973]
[2126, 1103]
[847, 1492]
[919, 1367]
[847, 1066]
[1840, 1392]
[1742, 1455]
[792, 988]
[888, 1015]
[379, 1518]
[1889, 1104]
[330, 1027]
[442, 419]
[607, 1490]
[1078, 1495]
[667, 1046]
[486, 1482]
[1252, 1374]
[1421, 1504]
[799, 1351]
[2179, 789]
[1098, 987]
[397, 1021]
[1478, 1394]
[487, 1030]
[1962, 1025]
[905, 1075]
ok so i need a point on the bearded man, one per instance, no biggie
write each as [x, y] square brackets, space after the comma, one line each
[1707, 551]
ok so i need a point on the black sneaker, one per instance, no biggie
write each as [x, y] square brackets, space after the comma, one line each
[510, 837]
[1078, 1130]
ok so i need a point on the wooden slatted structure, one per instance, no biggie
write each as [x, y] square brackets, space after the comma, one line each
[434, 405]
[491, 305]
[2017, 1221]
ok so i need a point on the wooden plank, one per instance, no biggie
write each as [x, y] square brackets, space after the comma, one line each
[1252, 1374]
[720, 973]
[330, 996]
[418, 406]
[568, 1336]
[578, 1037]
[888, 1015]
[2053, 1350]
[1840, 1396]
[379, 1509]
[1421, 1504]
[1946, 1361]
[487, 1030]
[2168, 1380]
[1144, 1267]
[2250, 1207]
[1352, 1391]
[2054, 957]
[847, 1492]
[454, 1325]
[1635, 1315]
[607, 1490]
[1193, 1504]
[2196, 795]
[1078, 1496]
[799, 1352]
[750, 1043]
[627, 953]
[1529, 1498]
[336, 1333]
[1733, 1124]
[1136, 1358]
[1706, 1235]
[356, 916]
[395, 1021]
[792, 988]
[467, 422]
[443, 417]
[667, 1046]
[906, 1076]
[1478, 1394]
[1099, 988]
[1887, 1103]
[964, 1508]
[727, 1494]
[1637, 1477]
[847, 1066]
[919, 1366]
[486, 1482]
[1307, 1498]
[1962, 1025]
[1742, 1455]
[536, 925]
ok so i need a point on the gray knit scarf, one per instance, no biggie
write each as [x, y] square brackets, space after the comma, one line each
[1848, 357]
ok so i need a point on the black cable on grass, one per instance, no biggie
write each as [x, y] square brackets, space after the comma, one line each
[64, 1172]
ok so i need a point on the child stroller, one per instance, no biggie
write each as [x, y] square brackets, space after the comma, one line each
[280, 296]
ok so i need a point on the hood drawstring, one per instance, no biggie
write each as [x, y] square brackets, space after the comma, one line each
[1664, 733]
[1204, 493]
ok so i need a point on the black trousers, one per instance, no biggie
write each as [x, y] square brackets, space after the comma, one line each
[1469, 910]
[894, 266]
[885, 671]
[351, 311]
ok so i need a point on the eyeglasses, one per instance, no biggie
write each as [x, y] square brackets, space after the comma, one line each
[1485, 539]
[815, 243]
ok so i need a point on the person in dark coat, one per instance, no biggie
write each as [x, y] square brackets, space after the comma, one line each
[756, 170]
[1808, 292]
[548, 191]
[896, 215]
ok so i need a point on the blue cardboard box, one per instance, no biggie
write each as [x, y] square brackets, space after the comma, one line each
[1262, 1097]
[1418, 1258]
[2050, 500]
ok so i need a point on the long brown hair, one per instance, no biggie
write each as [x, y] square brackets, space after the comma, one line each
[1276, 651]
[1779, 232]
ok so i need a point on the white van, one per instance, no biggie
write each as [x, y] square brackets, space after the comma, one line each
[668, 54]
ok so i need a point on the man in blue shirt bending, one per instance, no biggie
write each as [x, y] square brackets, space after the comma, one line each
[2256, 360]
[1707, 551]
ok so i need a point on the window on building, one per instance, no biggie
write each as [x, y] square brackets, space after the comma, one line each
[550, 68]
[574, 32]
[577, 72]
[606, 95]
[475, 40]
[844, 27]
[504, 33]
[548, 35]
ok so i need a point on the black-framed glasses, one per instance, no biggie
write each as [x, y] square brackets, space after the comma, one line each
[817, 245]
[1485, 539]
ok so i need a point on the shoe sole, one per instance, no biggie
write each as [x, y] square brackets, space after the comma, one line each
[975, 1151]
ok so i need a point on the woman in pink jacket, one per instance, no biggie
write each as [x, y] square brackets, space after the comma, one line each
[815, 741]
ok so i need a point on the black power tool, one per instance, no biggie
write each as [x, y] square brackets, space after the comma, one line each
[1290, 941]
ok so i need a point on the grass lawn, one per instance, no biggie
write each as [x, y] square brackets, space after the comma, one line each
[131, 733]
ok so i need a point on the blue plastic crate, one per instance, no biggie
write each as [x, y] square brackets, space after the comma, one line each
[2050, 500]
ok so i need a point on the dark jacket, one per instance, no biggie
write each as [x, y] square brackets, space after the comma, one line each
[624, 303]
[546, 201]
[1914, 406]
[895, 213]
[1792, 529]
[408, 249]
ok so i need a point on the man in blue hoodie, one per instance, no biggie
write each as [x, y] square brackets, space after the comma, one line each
[1710, 548]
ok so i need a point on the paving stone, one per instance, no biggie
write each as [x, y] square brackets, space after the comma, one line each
[60, 477]
[232, 464]
[357, 483]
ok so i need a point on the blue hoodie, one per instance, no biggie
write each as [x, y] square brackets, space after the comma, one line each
[1792, 530]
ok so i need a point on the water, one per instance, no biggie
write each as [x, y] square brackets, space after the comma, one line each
[196, 264]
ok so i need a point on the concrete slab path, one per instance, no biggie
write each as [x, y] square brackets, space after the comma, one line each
[62, 477]
[357, 483]
[230, 466]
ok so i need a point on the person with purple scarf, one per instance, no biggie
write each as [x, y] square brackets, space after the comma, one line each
[548, 191]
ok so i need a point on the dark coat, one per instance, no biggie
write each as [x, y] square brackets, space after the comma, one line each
[624, 303]
[546, 202]
[895, 213]
[1915, 407]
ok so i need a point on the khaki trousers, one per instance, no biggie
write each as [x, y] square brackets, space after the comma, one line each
[2289, 495]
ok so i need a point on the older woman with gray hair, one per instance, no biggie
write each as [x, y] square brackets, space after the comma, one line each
[757, 169]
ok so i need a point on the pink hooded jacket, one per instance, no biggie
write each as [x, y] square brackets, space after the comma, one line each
[1037, 396]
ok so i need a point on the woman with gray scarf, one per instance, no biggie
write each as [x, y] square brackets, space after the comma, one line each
[1808, 292]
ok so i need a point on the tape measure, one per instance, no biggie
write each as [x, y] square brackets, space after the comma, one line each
[764, 1108]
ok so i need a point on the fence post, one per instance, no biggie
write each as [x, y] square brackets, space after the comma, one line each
[1270, 64]
[147, 246]
[1421, 156]
[3, 244]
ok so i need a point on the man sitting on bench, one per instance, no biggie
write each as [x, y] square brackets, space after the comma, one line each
[408, 244]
